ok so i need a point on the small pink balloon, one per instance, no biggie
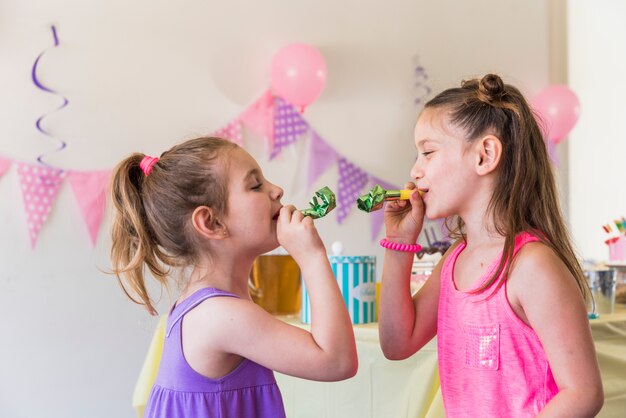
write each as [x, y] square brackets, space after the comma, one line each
[559, 109]
[298, 74]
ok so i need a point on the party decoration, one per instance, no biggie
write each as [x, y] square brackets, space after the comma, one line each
[272, 117]
[321, 157]
[422, 89]
[90, 191]
[377, 218]
[320, 209]
[288, 126]
[39, 85]
[373, 200]
[40, 186]
[259, 117]
[298, 74]
[559, 110]
[351, 180]
[5, 163]
[231, 131]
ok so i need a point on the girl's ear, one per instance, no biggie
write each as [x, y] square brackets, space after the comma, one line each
[489, 154]
[207, 224]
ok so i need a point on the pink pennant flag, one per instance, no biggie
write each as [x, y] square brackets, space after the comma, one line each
[259, 117]
[90, 191]
[5, 163]
[288, 126]
[351, 181]
[40, 185]
[321, 157]
[377, 218]
[232, 132]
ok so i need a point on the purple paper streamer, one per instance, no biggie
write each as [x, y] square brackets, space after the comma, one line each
[40, 86]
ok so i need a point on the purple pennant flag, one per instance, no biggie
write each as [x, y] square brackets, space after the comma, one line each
[351, 181]
[288, 126]
[377, 218]
[322, 156]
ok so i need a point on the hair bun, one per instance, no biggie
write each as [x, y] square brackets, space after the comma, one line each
[491, 87]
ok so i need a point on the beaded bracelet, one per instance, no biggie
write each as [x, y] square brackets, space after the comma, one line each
[411, 248]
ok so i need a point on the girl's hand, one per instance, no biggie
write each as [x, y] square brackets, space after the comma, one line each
[297, 233]
[404, 218]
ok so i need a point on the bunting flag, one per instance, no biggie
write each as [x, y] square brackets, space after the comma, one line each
[4, 165]
[321, 157]
[288, 126]
[232, 132]
[377, 218]
[351, 181]
[259, 117]
[90, 191]
[40, 185]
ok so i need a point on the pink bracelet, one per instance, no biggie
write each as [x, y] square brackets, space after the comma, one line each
[411, 248]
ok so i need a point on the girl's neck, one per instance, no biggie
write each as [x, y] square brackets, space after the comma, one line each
[481, 231]
[230, 277]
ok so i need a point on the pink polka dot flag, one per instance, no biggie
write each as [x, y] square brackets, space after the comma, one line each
[4, 165]
[232, 132]
[40, 185]
[351, 181]
[288, 126]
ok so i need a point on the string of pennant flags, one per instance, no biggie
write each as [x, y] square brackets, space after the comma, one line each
[270, 117]
[280, 123]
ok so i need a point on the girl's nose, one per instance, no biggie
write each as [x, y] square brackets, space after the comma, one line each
[277, 192]
[417, 171]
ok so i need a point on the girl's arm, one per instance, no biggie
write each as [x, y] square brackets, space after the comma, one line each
[406, 324]
[328, 351]
[553, 306]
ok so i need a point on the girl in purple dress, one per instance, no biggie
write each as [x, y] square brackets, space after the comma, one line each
[204, 209]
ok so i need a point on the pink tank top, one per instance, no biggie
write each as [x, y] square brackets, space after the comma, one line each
[491, 364]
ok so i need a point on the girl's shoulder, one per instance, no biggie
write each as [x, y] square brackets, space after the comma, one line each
[538, 268]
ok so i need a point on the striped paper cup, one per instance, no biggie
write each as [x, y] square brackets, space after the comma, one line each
[356, 277]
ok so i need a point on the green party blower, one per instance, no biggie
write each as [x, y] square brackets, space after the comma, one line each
[319, 209]
[373, 200]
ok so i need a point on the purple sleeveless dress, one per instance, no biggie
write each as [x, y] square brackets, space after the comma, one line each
[249, 391]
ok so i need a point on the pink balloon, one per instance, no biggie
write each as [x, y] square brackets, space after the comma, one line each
[559, 109]
[298, 74]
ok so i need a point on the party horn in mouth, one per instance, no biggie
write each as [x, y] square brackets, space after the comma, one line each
[327, 202]
[373, 200]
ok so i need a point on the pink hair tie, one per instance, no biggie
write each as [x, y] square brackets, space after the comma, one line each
[146, 164]
[396, 246]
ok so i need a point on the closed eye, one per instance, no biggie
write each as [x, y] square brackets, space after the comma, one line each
[257, 187]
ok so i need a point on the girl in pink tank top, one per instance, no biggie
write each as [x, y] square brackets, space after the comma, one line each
[507, 301]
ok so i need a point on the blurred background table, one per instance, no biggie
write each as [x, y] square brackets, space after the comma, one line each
[381, 388]
[407, 388]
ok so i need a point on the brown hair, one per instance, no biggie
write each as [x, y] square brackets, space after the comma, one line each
[525, 196]
[152, 213]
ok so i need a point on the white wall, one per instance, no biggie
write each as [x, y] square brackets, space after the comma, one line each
[142, 75]
[597, 145]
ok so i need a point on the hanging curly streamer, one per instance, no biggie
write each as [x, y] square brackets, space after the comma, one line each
[48, 90]
[421, 83]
